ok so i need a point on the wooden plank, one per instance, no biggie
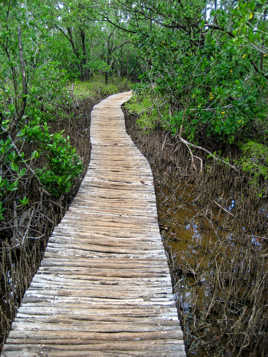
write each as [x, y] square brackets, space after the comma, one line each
[122, 348]
[103, 288]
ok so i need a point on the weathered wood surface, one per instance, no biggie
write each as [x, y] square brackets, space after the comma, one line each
[103, 288]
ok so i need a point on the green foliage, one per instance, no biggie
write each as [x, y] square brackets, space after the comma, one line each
[53, 162]
[209, 65]
[84, 89]
[60, 163]
[143, 106]
[255, 161]
[108, 90]
[24, 201]
[139, 104]
[62, 167]
[86, 42]
[31, 86]
[96, 87]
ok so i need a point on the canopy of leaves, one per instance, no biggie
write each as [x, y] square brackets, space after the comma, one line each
[208, 59]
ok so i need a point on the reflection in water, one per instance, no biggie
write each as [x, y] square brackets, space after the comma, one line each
[206, 258]
[256, 241]
[232, 205]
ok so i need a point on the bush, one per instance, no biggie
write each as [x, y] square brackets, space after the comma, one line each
[254, 161]
[107, 90]
[36, 153]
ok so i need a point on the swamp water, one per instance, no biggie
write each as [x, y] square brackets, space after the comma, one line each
[204, 260]
[217, 248]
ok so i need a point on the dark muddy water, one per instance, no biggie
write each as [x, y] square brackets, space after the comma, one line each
[201, 248]
[216, 239]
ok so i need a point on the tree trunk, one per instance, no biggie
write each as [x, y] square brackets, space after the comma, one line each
[106, 77]
[85, 71]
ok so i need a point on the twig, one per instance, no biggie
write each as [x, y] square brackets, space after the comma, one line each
[191, 154]
[27, 166]
[164, 142]
[187, 143]
[225, 210]
[201, 162]
[23, 74]
[28, 227]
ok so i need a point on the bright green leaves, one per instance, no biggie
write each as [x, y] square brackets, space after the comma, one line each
[53, 162]
[62, 165]
[205, 69]
[79, 38]
[31, 95]
[7, 186]
[24, 201]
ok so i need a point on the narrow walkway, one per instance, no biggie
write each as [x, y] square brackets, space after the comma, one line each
[103, 288]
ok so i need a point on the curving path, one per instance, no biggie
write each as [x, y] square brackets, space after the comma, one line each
[103, 288]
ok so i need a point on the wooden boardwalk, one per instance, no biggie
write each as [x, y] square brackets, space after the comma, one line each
[103, 287]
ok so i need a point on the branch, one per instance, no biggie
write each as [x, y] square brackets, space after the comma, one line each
[265, 75]
[118, 26]
[69, 37]
[25, 163]
[62, 31]
[157, 13]
[23, 73]
[14, 77]
[224, 209]
[187, 143]
[8, 9]
[215, 27]
[263, 52]
[120, 46]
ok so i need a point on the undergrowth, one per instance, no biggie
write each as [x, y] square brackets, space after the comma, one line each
[96, 87]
